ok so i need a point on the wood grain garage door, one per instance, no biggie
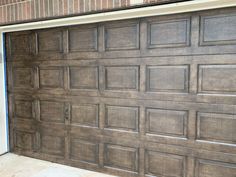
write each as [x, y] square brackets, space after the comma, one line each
[152, 97]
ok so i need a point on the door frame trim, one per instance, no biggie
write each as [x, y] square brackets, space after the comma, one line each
[181, 7]
[4, 145]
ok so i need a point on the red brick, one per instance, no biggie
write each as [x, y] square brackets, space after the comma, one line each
[65, 7]
[98, 4]
[50, 8]
[104, 4]
[86, 5]
[1, 16]
[123, 3]
[109, 4]
[12, 10]
[4, 14]
[70, 6]
[24, 10]
[32, 10]
[76, 6]
[28, 15]
[117, 3]
[92, 5]
[81, 5]
[61, 9]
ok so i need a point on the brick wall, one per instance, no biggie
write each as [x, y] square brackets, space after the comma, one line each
[15, 11]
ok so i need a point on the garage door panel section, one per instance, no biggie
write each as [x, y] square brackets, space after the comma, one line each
[188, 41]
[85, 151]
[52, 145]
[84, 77]
[223, 25]
[126, 118]
[106, 40]
[21, 45]
[52, 111]
[169, 33]
[85, 115]
[51, 78]
[123, 36]
[24, 109]
[23, 78]
[24, 140]
[83, 39]
[50, 41]
[167, 78]
[51, 140]
[121, 157]
[151, 97]
[164, 164]
[216, 127]
[122, 78]
[217, 79]
[217, 169]
[49, 44]
[166, 122]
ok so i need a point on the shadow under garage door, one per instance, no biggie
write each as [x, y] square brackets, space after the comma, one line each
[153, 96]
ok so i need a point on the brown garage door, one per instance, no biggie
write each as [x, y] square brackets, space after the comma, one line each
[145, 97]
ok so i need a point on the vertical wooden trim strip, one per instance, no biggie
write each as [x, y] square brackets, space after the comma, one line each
[192, 125]
[102, 115]
[142, 121]
[101, 155]
[141, 161]
[66, 78]
[65, 41]
[101, 38]
[142, 80]
[36, 77]
[193, 78]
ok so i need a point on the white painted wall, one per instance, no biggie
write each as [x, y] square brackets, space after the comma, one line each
[3, 117]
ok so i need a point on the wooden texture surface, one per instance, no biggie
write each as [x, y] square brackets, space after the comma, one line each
[145, 97]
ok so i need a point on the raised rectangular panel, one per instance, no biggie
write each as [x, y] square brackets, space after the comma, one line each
[219, 29]
[53, 145]
[51, 77]
[50, 41]
[171, 33]
[51, 111]
[24, 140]
[207, 168]
[122, 37]
[118, 117]
[216, 127]
[23, 109]
[166, 122]
[23, 78]
[121, 157]
[164, 164]
[217, 79]
[84, 151]
[20, 44]
[85, 114]
[84, 77]
[122, 77]
[84, 39]
[167, 78]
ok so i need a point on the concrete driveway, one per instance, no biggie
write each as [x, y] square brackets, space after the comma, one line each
[12, 165]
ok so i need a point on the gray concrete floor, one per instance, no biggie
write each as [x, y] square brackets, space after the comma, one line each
[12, 165]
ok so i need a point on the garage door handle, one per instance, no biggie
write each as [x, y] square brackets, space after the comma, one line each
[67, 115]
